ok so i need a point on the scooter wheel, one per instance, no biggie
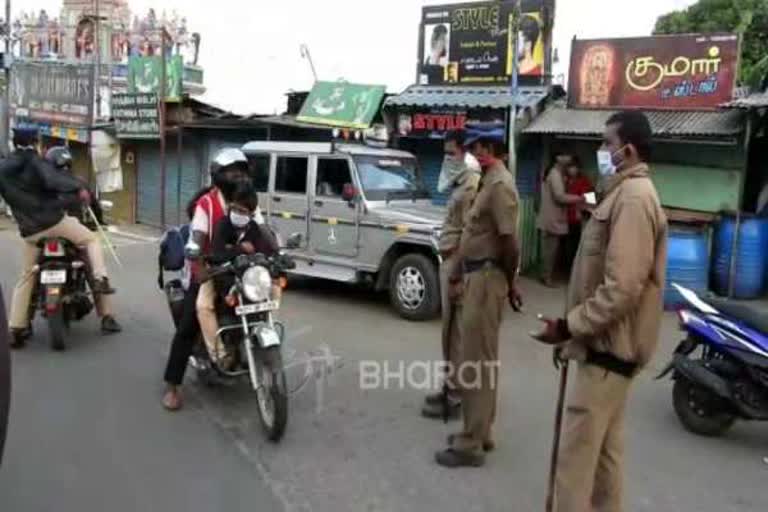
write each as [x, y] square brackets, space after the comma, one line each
[700, 411]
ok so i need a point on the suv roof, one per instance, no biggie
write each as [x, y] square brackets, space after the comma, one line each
[322, 148]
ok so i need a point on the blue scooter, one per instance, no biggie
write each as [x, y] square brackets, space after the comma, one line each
[721, 368]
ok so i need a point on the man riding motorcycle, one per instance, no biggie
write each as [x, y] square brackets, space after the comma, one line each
[32, 188]
[61, 158]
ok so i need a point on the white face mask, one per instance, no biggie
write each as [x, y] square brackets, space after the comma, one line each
[605, 164]
[239, 220]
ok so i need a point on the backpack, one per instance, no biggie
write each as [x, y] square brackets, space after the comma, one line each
[171, 257]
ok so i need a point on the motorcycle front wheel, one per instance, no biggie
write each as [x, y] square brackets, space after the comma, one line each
[700, 411]
[272, 394]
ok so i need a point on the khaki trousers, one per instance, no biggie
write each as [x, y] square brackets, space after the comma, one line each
[590, 469]
[485, 294]
[550, 245]
[72, 230]
[451, 336]
[209, 322]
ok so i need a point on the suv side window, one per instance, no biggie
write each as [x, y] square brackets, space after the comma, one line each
[258, 169]
[332, 175]
[291, 175]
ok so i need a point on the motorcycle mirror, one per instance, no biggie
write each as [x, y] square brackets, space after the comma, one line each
[294, 241]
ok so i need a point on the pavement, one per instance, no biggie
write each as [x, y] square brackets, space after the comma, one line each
[87, 431]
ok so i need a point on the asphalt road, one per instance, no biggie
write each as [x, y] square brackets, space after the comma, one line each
[87, 431]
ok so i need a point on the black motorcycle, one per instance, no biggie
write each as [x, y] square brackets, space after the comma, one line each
[251, 335]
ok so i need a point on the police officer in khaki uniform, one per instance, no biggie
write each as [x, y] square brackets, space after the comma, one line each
[460, 177]
[613, 316]
[489, 256]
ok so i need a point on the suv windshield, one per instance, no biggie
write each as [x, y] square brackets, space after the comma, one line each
[385, 179]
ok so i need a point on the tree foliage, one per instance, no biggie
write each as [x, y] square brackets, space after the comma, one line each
[746, 17]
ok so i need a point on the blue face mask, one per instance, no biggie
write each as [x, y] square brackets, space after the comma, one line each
[605, 164]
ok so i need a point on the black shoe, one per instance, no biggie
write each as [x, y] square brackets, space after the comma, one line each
[102, 287]
[19, 338]
[488, 445]
[110, 326]
[451, 458]
[437, 412]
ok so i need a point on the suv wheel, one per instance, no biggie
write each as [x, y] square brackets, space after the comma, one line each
[414, 287]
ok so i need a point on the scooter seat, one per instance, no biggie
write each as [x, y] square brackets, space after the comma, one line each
[750, 315]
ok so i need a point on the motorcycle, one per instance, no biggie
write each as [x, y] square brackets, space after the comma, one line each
[62, 289]
[249, 332]
[721, 368]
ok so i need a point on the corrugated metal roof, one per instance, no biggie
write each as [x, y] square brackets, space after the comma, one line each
[669, 123]
[757, 100]
[465, 97]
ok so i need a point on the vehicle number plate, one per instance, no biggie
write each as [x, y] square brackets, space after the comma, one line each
[53, 276]
[269, 338]
[250, 309]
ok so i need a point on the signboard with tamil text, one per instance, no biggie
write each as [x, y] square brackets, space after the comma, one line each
[342, 105]
[52, 93]
[679, 72]
[145, 73]
[136, 116]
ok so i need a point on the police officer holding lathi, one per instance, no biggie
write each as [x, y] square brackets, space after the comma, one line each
[613, 315]
[485, 280]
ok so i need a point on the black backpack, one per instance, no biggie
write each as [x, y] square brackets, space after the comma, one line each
[171, 257]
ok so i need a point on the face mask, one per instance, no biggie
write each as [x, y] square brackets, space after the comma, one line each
[605, 164]
[485, 161]
[452, 170]
[238, 219]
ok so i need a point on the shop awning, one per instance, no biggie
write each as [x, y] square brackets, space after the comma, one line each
[563, 121]
[466, 97]
[758, 100]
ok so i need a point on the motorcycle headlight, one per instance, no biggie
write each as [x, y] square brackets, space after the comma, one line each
[257, 284]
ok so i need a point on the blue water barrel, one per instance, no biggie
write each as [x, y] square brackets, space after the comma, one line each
[751, 261]
[687, 262]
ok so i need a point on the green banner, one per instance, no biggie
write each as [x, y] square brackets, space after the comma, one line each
[144, 74]
[342, 104]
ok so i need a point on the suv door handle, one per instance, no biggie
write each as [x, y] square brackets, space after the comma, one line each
[277, 199]
[319, 202]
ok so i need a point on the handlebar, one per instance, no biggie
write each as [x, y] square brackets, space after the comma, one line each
[275, 264]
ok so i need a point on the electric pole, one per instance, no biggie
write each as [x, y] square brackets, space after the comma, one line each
[513, 89]
[6, 121]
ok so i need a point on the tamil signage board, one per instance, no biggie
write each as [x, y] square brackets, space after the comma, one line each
[145, 74]
[435, 123]
[343, 105]
[679, 72]
[136, 115]
[52, 93]
[473, 43]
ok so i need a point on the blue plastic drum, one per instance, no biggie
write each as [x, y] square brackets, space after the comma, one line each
[687, 262]
[752, 244]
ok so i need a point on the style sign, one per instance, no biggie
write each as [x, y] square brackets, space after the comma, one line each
[145, 73]
[52, 92]
[436, 123]
[680, 72]
[473, 43]
[136, 115]
[342, 105]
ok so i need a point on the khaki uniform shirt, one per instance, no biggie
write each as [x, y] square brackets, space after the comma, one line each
[553, 213]
[493, 215]
[615, 298]
[458, 205]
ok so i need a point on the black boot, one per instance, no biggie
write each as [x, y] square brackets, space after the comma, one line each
[110, 326]
[102, 287]
[451, 458]
[19, 338]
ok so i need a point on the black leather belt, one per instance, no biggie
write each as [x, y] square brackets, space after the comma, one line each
[611, 363]
[477, 265]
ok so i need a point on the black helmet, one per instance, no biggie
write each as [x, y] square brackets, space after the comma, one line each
[24, 137]
[59, 157]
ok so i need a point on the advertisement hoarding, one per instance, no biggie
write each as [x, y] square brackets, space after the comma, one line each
[473, 43]
[435, 123]
[52, 93]
[144, 74]
[679, 72]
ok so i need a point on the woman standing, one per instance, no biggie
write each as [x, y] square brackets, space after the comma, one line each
[577, 184]
[553, 215]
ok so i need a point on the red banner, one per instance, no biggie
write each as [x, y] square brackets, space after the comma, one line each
[685, 72]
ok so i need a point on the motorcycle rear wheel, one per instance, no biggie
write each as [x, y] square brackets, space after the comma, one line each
[700, 411]
[272, 396]
[56, 328]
